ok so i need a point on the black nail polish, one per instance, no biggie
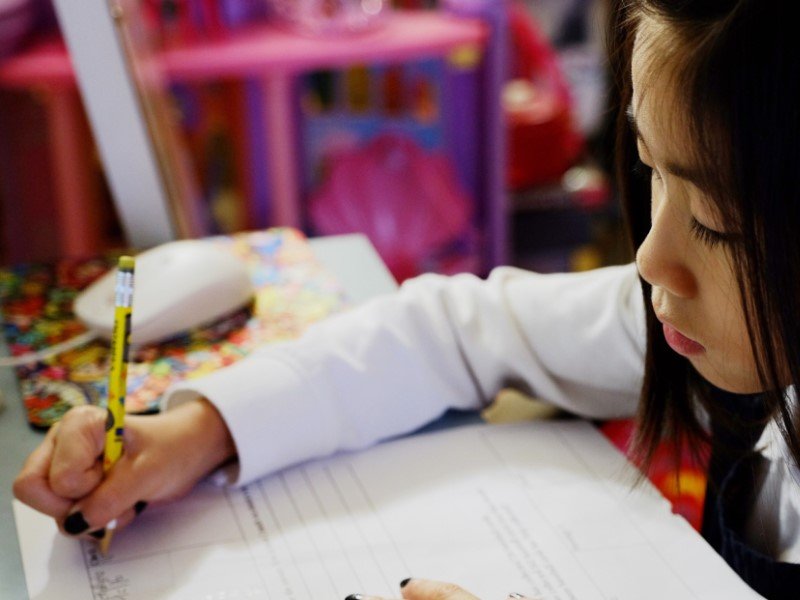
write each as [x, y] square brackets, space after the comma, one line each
[98, 534]
[75, 523]
[354, 597]
[405, 581]
[139, 507]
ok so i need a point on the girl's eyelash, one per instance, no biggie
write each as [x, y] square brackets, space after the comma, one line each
[644, 171]
[708, 236]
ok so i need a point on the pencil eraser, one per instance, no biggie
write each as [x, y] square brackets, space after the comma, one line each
[126, 263]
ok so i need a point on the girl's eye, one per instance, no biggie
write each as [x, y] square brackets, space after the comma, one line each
[645, 171]
[710, 237]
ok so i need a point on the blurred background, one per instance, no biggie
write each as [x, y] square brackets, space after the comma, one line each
[457, 134]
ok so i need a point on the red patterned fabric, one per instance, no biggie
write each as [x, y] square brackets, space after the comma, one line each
[685, 489]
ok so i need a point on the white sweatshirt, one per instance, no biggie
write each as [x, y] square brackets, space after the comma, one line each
[400, 361]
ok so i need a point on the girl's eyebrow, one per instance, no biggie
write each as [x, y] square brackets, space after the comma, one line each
[687, 173]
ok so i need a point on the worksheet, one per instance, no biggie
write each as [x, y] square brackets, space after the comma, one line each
[545, 509]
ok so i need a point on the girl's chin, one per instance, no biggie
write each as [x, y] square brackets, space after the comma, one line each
[739, 382]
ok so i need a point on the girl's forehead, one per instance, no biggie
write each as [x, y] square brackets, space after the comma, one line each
[657, 105]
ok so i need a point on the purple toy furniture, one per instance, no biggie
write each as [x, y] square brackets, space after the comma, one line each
[271, 58]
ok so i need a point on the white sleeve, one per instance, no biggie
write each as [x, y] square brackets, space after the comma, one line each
[399, 361]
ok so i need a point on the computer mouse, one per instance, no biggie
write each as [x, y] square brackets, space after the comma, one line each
[177, 286]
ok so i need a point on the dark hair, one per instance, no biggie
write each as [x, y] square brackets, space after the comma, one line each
[737, 62]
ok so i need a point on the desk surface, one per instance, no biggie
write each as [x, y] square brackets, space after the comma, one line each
[351, 258]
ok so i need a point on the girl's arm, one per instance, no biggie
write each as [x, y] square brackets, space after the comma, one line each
[400, 361]
[380, 370]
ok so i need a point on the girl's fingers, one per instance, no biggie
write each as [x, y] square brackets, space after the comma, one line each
[75, 469]
[425, 589]
[66, 465]
[149, 469]
[32, 485]
[115, 497]
[117, 524]
[164, 457]
[431, 590]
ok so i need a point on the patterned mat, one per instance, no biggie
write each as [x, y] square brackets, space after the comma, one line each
[292, 291]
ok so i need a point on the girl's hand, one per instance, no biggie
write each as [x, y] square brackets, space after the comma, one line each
[424, 589]
[165, 456]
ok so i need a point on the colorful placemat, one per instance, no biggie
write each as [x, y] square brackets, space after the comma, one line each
[292, 291]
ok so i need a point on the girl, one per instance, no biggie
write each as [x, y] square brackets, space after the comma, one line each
[699, 337]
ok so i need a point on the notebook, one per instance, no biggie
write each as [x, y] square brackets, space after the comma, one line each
[545, 509]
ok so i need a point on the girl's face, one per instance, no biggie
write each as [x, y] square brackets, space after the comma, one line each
[686, 254]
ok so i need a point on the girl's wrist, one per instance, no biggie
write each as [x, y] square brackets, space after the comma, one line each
[210, 432]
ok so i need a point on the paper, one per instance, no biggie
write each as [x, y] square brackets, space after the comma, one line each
[544, 509]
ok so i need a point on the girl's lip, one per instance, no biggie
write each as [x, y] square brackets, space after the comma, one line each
[680, 343]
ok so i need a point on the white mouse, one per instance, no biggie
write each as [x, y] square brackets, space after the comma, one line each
[177, 286]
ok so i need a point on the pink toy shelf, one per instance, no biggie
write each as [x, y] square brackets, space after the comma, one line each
[274, 59]
[275, 56]
[269, 48]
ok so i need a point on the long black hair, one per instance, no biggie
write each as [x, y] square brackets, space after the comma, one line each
[738, 66]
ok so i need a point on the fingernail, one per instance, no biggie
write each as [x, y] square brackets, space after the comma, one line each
[75, 523]
[99, 534]
[354, 597]
[405, 581]
[139, 507]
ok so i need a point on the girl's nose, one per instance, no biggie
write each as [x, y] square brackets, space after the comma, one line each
[661, 257]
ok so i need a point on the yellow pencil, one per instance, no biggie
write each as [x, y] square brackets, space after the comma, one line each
[117, 379]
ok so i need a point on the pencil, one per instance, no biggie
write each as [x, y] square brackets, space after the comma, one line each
[118, 374]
